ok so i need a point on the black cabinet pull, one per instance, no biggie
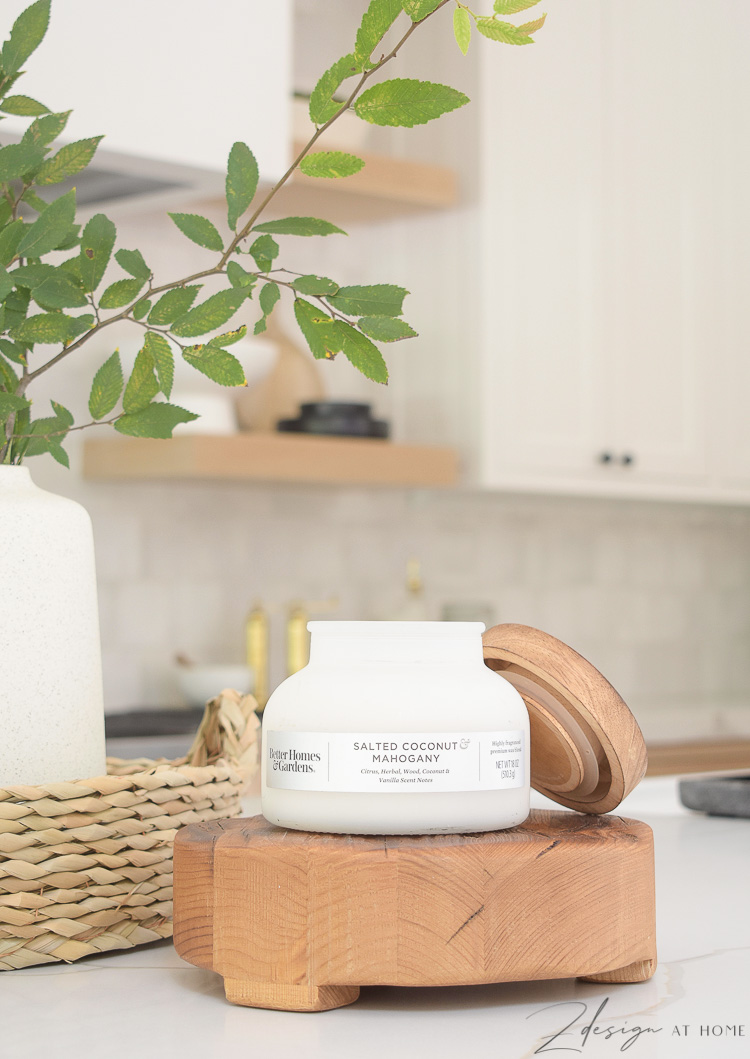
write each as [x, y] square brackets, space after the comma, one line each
[627, 459]
[606, 457]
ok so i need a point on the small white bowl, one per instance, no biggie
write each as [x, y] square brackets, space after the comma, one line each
[215, 411]
[198, 684]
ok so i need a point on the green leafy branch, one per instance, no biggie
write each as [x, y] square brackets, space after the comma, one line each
[493, 27]
[333, 318]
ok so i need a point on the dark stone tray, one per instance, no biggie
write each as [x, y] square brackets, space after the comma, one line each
[718, 796]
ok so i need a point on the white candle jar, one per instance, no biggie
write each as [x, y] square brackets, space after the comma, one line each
[395, 728]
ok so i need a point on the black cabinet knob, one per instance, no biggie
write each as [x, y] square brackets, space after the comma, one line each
[627, 459]
[605, 457]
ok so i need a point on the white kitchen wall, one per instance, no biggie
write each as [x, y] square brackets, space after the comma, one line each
[657, 596]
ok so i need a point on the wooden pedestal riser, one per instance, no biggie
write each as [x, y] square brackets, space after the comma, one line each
[300, 921]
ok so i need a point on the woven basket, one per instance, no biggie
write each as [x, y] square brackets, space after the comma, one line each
[86, 866]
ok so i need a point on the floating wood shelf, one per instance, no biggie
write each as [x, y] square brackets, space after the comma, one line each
[671, 759]
[270, 458]
[386, 188]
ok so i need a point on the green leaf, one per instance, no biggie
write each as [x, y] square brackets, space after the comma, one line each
[462, 28]
[322, 105]
[267, 298]
[263, 251]
[210, 314]
[23, 106]
[97, 242]
[378, 299]
[10, 237]
[57, 452]
[502, 31]
[25, 37]
[419, 9]
[362, 353]
[71, 239]
[9, 404]
[15, 308]
[141, 308]
[532, 27]
[173, 304]
[241, 183]
[238, 277]
[120, 293]
[106, 387]
[512, 7]
[406, 102]
[7, 282]
[199, 229]
[315, 285]
[386, 328]
[45, 328]
[5, 211]
[8, 378]
[331, 164]
[44, 130]
[22, 426]
[59, 291]
[132, 261]
[63, 414]
[68, 161]
[39, 444]
[142, 385]
[36, 202]
[299, 226]
[157, 420]
[79, 324]
[269, 295]
[319, 329]
[32, 275]
[160, 350]
[13, 352]
[16, 159]
[217, 364]
[376, 21]
[229, 337]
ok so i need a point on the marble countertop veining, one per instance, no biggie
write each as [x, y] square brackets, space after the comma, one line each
[148, 1004]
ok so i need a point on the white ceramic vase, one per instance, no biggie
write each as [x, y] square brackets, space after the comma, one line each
[51, 707]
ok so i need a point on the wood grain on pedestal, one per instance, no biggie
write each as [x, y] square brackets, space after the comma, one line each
[300, 921]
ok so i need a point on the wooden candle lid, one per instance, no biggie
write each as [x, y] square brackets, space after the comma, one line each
[587, 751]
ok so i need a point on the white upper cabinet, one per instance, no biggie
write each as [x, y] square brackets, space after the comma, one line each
[616, 221]
[173, 82]
[541, 142]
[659, 231]
[730, 360]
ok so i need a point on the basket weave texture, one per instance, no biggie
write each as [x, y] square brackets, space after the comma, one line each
[86, 866]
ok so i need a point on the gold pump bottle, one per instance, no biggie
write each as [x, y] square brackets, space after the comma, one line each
[257, 646]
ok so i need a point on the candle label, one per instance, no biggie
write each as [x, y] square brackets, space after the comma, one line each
[397, 762]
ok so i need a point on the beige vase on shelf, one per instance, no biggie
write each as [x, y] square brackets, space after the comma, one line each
[51, 703]
[294, 378]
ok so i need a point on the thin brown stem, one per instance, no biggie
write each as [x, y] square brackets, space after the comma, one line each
[70, 430]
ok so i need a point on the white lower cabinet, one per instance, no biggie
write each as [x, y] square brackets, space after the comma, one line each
[616, 228]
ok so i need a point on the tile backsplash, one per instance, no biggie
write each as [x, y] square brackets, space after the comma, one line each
[656, 595]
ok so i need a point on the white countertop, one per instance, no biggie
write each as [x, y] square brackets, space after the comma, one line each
[148, 1004]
